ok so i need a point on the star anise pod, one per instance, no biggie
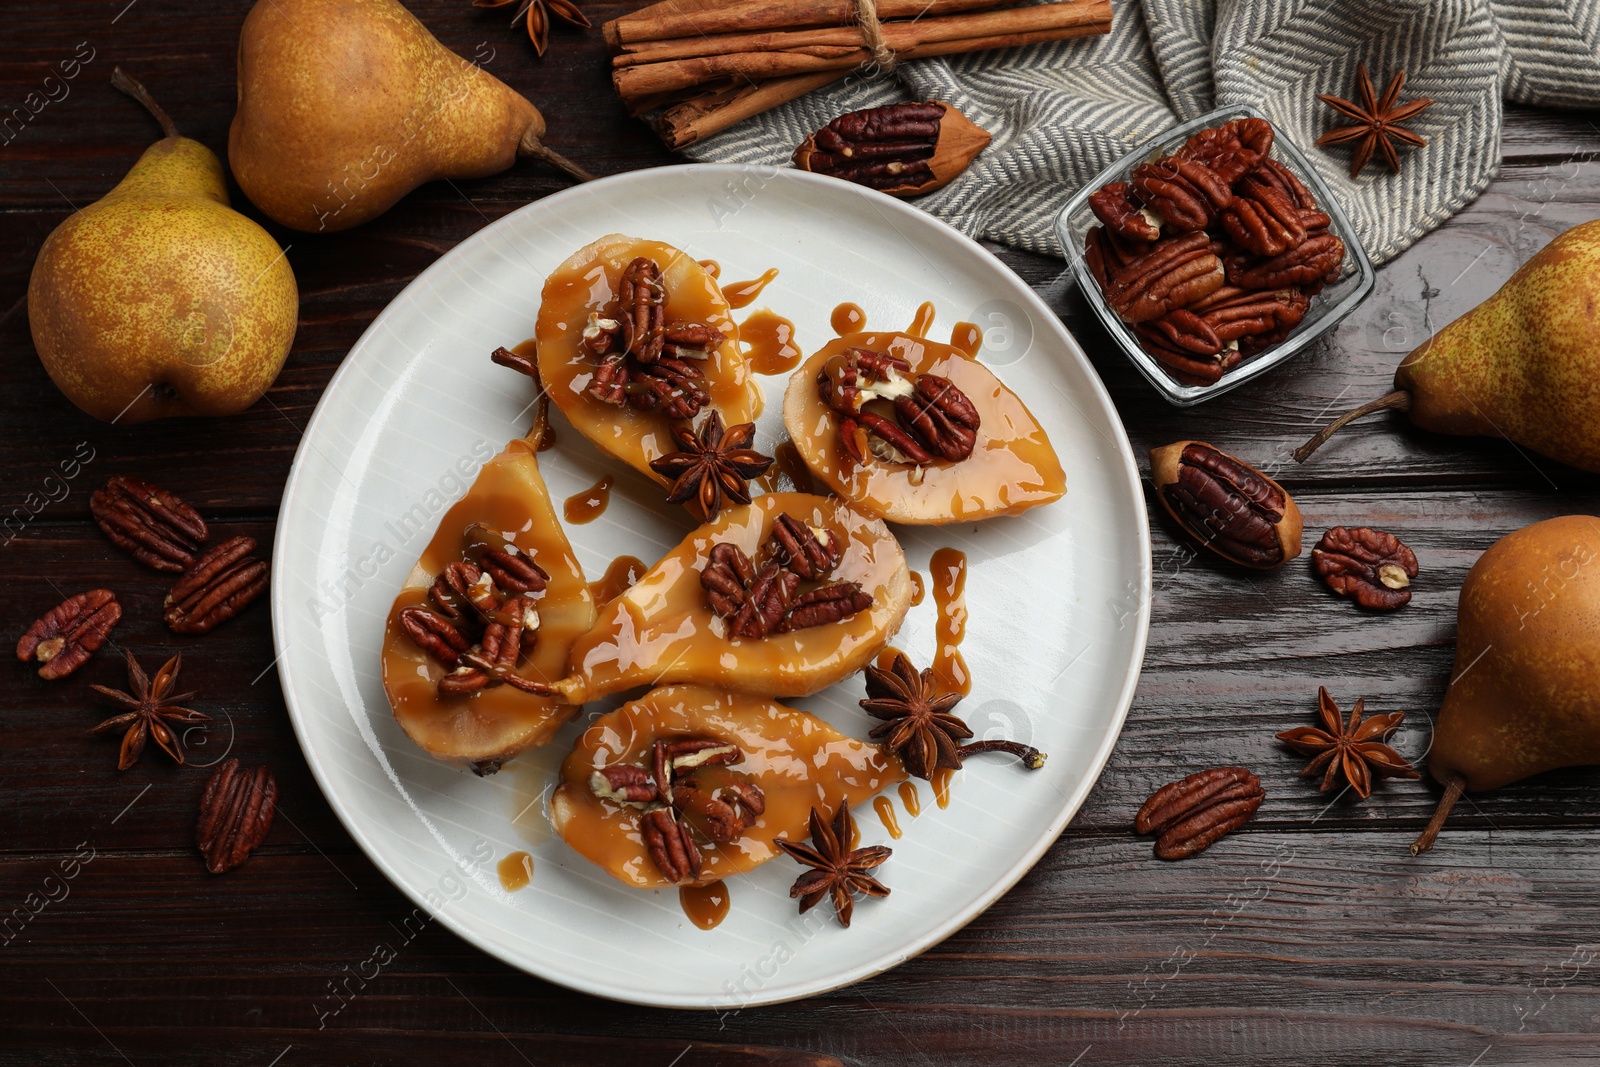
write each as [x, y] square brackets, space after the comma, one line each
[150, 706]
[837, 870]
[1377, 122]
[918, 726]
[1354, 750]
[536, 14]
[713, 465]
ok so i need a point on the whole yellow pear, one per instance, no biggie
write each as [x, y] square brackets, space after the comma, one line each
[1525, 691]
[159, 299]
[347, 105]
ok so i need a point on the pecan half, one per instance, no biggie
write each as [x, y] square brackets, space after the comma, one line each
[494, 660]
[1252, 317]
[1262, 219]
[64, 638]
[1192, 814]
[512, 571]
[1183, 363]
[625, 784]
[726, 578]
[434, 634]
[463, 590]
[904, 149]
[1233, 149]
[1286, 181]
[1372, 567]
[1229, 506]
[1313, 260]
[641, 304]
[674, 387]
[670, 845]
[766, 603]
[941, 416]
[723, 814]
[798, 547]
[610, 382]
[1172, 273]
[829, 603]
[215, 587]
[1184, 192]
[235, 814]
[149, 523]
[1123, 215]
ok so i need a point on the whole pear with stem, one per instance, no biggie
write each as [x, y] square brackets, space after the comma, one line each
[159, 299]
[1523, 365]
[345, 106]
[1524, 695]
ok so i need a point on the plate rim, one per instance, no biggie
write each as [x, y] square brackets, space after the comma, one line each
[1005, 881]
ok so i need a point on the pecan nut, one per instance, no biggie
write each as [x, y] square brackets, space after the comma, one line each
[1122, 214]
[1233, 150]
[671, 846]
[512, 571]
[1183, 363]
[641, 304]
[1184, 192]
[904, 149]
[724, 814]
[766, 603]
[462, 586]
[1226, 504]
[434, 634]
[235, 814]
[215, 587]
[625, 784]
[830, 603]
[1263, 220]
[1172, 273]
[1190, 815]
[726, 578]
[941, 416]
[1316, 259]
[64, 637]
[149, 523]
[1372, 567]
[799, 548]
[674, 387]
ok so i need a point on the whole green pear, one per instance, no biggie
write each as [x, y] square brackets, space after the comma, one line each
[1524, 695]
[159, 299]
[1523, 365]
[347, 105]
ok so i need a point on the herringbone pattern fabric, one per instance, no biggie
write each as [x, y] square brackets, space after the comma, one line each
[1061, 112]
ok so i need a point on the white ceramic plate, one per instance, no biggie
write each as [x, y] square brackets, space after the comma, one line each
[1058, 598]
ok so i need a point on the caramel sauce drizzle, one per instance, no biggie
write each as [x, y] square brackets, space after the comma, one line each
[967, 336]
[886, 657]
[770, 340]
[705, 905]
[919, 589]
[590, 504]
[740, 294]
[922, 321]
[848, 318]
[885, 809]
[516, 871]
[712, 267]
[911, 798]
[948, 571]
[618, 579]
[941, 785]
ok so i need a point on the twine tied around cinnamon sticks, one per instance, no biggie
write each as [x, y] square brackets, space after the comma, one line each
[703, 65]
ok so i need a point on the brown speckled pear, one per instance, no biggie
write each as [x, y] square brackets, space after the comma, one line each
[159, 299]
[1525, 691]
[1523, 365]
[347, 105]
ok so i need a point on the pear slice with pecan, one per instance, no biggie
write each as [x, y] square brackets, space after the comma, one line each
[635, 336]
[688, 785]
[498, 570]
[785, 595]
[918, 432]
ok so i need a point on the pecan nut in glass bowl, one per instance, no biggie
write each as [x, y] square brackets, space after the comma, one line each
[1212, 253]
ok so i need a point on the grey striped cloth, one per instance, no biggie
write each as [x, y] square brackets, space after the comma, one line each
[1061, 112]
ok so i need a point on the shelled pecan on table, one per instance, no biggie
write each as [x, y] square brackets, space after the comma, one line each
[1211, 254]
[1372, 567]
[236, 812]
[63, 638]
[215, 587]
[1191, 815]
[149, 523]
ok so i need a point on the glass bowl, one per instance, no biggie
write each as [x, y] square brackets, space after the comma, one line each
[1335, 301]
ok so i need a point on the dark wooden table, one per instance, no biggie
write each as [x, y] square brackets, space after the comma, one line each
[1311, 938]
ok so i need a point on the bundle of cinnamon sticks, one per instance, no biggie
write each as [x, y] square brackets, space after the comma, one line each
[706, 64]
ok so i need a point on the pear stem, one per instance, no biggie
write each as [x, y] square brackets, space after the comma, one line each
[1399, 400]
[532, 146]
[135, 89]
[1453, 789]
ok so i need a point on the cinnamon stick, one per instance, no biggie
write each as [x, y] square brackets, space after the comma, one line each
[681, 18]
[757, 57]
[701, 116]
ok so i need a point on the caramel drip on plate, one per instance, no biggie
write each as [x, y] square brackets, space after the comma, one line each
[547, 440]
[885, 809]
[848, 318]
[712, 267]
[948, 571]
[618, 579]
[941, 785]
[769, 338]
[911, 798]
[590, 504]
[919, 589]
[922, 320]
[516, 871]
[967, 336]
[705, 905]
[740, 294]
[886, 657]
